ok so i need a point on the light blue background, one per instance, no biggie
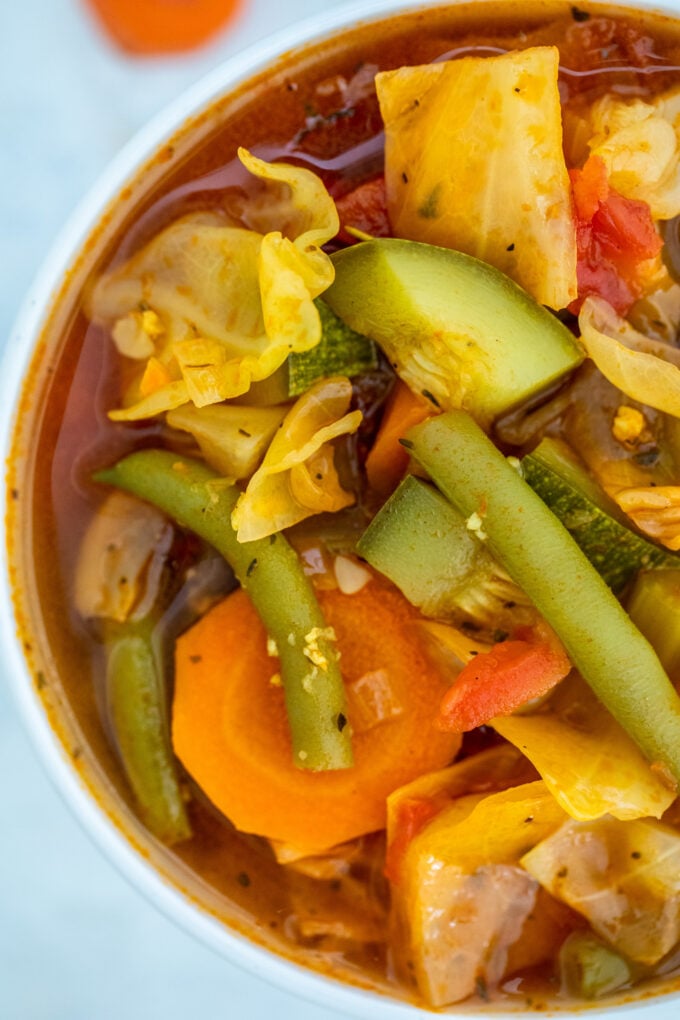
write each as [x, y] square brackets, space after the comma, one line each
[76, 942]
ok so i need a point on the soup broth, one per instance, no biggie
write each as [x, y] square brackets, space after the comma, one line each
[331, 906]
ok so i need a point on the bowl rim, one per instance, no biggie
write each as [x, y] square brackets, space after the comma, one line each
[34, 313]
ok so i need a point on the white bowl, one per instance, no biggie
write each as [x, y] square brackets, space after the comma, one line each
[51, 725]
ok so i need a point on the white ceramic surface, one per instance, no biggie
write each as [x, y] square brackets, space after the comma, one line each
[17, 354]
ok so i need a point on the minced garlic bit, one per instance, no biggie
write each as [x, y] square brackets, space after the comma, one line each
[308, 680]
[474, 523]
[291, 639]
[151, 324]
[628, 424]
[275, 680]
[350, 575]
[312, 650]
[302, 755]
[272, 648]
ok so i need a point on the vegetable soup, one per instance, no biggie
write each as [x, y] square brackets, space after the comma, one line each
[346, 548]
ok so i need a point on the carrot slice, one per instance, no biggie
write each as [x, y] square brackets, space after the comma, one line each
[388, 459]
[147, 27]
[230, 728]
[500, 681]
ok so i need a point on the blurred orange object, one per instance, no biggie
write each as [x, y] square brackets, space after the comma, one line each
[152, 27]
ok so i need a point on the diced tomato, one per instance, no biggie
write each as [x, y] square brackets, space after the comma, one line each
[500, 681]
[412, 816]
[364, 208]
[615, 237]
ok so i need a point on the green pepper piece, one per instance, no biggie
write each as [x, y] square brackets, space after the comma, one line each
[133, 691]
[542, 558]
[270, 571]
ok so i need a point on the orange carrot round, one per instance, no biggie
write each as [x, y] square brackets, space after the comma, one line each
[230, 728]
[387, 461]
[147, 27]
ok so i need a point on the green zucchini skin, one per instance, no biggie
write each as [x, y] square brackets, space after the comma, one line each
[340, 351]
[616, 552]
[453, 327]
[423, 545]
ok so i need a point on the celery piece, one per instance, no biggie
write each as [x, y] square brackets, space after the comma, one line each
[654, 607]
[423, 545]
[592, 519]
[136, 703]
[589, 969]
[270, 571]
[542, 558]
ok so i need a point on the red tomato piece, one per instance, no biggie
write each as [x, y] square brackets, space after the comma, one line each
[615, 236]
[412, 816]
[365, 208]
[500, 681]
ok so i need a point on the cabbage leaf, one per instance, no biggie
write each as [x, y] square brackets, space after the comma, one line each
[588, 762]
[474, 161]
[297, 477]
[639, 142]
[642, 369]
[211, 305]
[624, 877]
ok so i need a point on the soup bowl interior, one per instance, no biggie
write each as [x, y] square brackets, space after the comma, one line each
[178, 160]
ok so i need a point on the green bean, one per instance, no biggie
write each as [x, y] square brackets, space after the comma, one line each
[136, 704]
[542, 558]
[271, 572]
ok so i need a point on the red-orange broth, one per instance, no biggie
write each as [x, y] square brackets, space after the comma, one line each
[297, 113]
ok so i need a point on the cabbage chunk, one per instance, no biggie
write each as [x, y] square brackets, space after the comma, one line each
[624, 877]
[463, 899]
[232, 438]
[590, 765]
[474, 161]
[297, 477]
[210, 305]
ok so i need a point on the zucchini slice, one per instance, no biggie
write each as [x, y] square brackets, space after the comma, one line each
[594, 521]
[425, 547]
[453, 327]
[340, 351]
